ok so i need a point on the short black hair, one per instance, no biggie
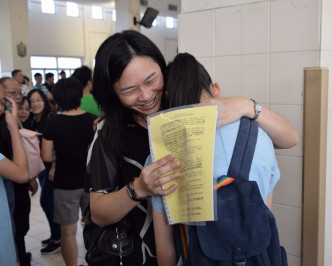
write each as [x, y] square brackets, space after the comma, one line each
[67, 93]
[83, 74]
[15, 71]
[37, 74]
[62, 72]
[49, 75]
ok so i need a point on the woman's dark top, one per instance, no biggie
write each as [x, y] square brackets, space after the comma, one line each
[72, 135]
[107, 174]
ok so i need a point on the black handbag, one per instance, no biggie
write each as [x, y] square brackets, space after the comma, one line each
[107, 245]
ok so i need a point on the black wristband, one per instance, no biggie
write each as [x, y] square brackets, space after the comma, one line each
[132, 193]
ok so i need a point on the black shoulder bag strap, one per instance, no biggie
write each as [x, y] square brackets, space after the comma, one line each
[244, 150]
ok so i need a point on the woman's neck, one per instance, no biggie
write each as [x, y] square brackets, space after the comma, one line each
[38, 117]
[77, 111]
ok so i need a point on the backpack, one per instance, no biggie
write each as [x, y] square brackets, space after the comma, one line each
[245, 233]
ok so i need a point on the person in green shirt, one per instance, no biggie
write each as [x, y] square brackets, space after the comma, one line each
[88, 103]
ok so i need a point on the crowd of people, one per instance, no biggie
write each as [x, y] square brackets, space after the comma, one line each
[130, 81]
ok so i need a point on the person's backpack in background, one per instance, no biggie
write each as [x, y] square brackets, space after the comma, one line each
[245, 233]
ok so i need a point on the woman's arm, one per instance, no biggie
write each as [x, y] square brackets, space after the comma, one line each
[47, 151]
[112, 207]
[166, 255]
[277, 126]
[16, 170]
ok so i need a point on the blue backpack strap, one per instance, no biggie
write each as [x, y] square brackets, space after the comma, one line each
[244, 150]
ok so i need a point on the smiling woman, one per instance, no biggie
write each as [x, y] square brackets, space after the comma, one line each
[40, 113]
[133, 69]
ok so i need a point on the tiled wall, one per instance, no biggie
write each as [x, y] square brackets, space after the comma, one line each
[259, 49]
[326, 61]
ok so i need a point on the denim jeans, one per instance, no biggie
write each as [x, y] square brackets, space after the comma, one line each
[46, 201]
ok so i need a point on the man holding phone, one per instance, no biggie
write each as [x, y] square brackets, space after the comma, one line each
[18, 194]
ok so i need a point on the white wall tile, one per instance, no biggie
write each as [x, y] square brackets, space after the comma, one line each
[255, 77]
[328, 258]
[295, 25]
[228, 31]
[287, 76]
[288, 190]
[329, 180]
[209, 64]
[289, 226]
[328, 227]
[198, 5]
[326, 61]
[294, 114]
[256, 28]
[326, 25]
[293, 260]
[229, 75]
[197, 33]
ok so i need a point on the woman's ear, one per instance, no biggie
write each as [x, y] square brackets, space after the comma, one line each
[216, 90]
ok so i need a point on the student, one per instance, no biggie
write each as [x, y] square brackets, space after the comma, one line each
[15, 170]
[40, 113]
[88, 103]
[128, 84]
[188, 83]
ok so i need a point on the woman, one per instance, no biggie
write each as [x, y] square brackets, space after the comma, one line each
[66, 139]
[15, 170]
[40, 113]
[128, 84]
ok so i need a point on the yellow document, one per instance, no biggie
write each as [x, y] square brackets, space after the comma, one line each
[189, 134]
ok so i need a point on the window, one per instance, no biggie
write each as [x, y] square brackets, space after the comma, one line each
[114, 15]
[48, 6]
[97, 12]
[73, 9]
[53, 64]
[170, 22]
[156, 22]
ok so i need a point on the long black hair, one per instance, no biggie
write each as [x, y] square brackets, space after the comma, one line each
[112, 58]
[185, 80]
[39, 126]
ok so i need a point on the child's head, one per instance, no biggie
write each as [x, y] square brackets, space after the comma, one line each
[39, 102]
[188, 82]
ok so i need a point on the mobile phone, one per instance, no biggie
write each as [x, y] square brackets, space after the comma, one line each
[8, 106]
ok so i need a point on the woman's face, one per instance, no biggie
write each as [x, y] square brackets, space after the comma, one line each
[24, 111]
[37, 103]
[140, 86]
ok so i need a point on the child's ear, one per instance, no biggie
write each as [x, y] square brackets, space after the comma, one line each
[166, 94]
[216, 90]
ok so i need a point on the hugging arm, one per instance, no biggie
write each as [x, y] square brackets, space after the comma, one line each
[112, 207]
[277, 126]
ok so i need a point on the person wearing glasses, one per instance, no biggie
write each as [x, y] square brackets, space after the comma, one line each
[13, 91]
